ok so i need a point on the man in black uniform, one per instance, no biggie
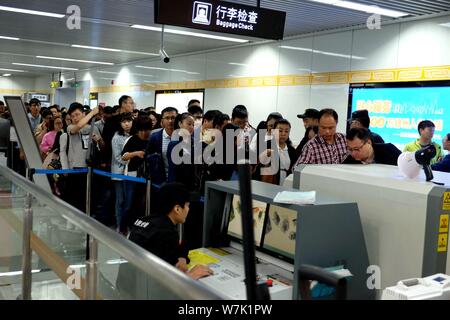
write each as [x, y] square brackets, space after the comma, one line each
[362, 149]
[158, 232]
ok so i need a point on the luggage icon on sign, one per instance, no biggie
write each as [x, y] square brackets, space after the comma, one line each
[202, 13]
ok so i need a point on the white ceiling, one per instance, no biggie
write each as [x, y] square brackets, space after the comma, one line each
[106, 24]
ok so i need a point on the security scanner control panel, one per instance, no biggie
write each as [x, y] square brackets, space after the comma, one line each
[327, 234]
[229, 275]
[436, 287]
[405, 221]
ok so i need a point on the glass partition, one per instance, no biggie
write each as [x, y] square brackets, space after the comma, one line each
[60, 270]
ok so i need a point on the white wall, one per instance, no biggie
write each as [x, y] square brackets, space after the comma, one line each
[409, 44]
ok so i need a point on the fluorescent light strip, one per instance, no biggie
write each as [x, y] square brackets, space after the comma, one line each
[165, 69]
[144, 53]
[188, 33]
[132, 74]
[109, 72]
[42, 66]
[13, 70]
[75, 60]
[340, 55]
[9, 38]
[364, 8]
[34, 12]
[112, 50]
[447, 25]
[238, 64]
[95, 48]
[6, 74]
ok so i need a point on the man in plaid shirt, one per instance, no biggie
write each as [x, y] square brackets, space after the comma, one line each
[328, 147]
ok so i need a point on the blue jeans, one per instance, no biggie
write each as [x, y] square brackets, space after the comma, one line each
[129, 190]
[120, 201]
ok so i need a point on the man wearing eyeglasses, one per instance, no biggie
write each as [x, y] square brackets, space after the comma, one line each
[363, 150]
[156, 153]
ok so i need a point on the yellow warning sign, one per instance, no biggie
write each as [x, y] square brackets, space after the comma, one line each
[446, 201]
[443, 223]
[442, 242]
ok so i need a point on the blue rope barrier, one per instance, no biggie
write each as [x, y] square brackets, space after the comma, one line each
[102, 173]
[120, 176]
[60, 171]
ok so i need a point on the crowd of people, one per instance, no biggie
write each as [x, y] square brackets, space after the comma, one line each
[189, 149]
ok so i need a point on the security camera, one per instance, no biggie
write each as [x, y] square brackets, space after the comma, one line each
[164, 56]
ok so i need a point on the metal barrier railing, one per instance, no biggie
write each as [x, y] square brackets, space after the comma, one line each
[162, 273]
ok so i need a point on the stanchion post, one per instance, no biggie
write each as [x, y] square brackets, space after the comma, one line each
[26, 243]
[91, 248]
[147, 197]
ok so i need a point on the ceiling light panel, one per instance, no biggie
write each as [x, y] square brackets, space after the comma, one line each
[43, 66]
[75, 60]
[33, 12]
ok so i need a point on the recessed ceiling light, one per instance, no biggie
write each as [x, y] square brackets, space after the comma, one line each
[75, 60]
[43, 66]
[95, 48]
[7, 74]
[34, 12]
[188, 33]
[9, 38]
[364, 8]
[13, 70]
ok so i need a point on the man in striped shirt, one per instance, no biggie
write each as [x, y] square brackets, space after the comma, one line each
[328, 147]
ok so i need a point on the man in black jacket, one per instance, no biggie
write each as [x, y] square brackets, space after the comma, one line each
[363, 150]
[158, 232]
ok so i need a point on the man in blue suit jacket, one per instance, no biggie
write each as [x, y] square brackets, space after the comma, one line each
[444, 164]
[156, 153]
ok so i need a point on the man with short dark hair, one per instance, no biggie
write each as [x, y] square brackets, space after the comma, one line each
[363, 150]
[361, 119]
[426, 132]
[76, 142]
[196, 111]
[157, 147]
[327, 147]
[310, 117]
[239, 118]
[158, 234]
[34, 115]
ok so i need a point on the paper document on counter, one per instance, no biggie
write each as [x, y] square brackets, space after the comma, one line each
[295, 197]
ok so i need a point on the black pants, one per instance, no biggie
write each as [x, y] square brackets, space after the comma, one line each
[75, 193]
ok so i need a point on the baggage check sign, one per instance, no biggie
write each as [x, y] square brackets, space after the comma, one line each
[222, 16]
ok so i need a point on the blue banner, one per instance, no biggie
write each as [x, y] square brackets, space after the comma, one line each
[396, 112]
